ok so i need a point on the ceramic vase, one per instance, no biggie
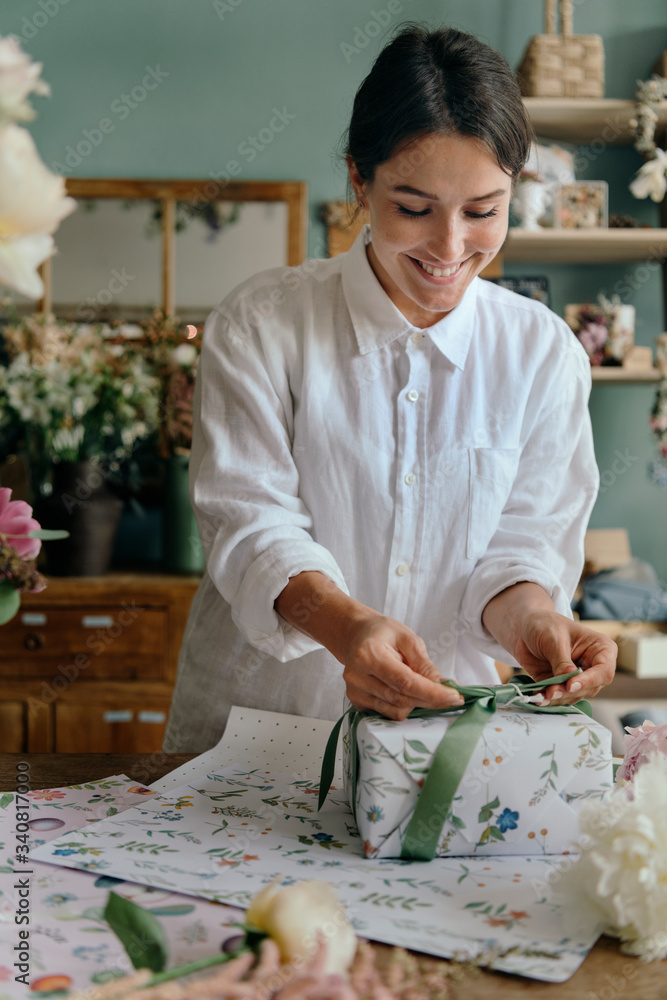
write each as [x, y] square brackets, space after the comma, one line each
[81, 503]
[182, 550]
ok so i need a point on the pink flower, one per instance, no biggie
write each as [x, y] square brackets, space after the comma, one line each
[593, 336]
[16, 519]
[644, 742]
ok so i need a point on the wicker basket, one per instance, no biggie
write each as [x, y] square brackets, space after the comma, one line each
[564, 65]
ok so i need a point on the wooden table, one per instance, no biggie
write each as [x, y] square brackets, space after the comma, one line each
[606, 974]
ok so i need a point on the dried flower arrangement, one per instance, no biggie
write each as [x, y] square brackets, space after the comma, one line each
[651, 178]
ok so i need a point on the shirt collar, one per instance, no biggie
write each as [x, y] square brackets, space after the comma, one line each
[377, 321]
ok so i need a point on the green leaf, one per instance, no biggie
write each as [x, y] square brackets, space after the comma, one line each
[458, 823]
[547, 753]
[418, 746]
[48, 534]
[496, 833]
[10, 601]
[485, 835]
[494, 804]
[138, 931]
[412, 760]
[6, 799]
[554, 767]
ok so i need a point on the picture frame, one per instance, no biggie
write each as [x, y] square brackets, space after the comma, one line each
[581, 205]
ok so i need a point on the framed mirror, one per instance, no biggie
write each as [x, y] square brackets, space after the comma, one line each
[179, 245]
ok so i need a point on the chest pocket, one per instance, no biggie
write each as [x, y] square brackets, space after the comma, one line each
[492, 473]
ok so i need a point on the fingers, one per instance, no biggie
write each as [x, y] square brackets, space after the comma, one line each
[391, 673]
[595, 654]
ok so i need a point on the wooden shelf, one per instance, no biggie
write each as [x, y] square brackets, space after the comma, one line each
[617, 375]
[582, 120]
[585, 246]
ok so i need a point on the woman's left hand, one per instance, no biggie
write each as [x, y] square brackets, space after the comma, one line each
[549, 644]
[546, 644]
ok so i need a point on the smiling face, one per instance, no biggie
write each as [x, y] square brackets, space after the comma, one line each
[439, 212]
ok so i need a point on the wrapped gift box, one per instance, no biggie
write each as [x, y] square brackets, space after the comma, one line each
[520, 792]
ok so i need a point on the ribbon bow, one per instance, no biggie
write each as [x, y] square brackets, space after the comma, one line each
[420, 842]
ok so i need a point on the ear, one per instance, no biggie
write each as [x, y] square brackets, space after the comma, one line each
[358, 184]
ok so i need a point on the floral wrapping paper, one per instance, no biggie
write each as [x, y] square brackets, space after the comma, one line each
[71, 945]
[519, 795]
[241, 827]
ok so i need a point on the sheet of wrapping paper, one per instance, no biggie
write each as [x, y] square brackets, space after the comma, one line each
[240, 826]
[520, 793]
[292, 743]
[70, 944]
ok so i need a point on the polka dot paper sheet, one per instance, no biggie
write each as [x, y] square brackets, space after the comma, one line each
[291, 744]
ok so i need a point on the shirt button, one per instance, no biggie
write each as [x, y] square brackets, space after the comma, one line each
[402, 569]
[416, 338]
[413, 395]
[410, 479]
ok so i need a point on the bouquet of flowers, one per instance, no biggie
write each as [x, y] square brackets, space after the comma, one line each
[621, 872]
[20, 542]
[605, 329]
[174, 355]
[33, 199]
[70, 392]
[658, 418]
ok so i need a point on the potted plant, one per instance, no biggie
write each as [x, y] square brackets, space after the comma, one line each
[77, 399]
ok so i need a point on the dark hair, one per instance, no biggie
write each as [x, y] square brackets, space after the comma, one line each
[442, 81]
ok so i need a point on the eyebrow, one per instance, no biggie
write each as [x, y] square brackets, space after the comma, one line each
[406, 189]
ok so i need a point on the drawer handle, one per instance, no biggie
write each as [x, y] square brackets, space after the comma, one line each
[33, 618]
[117, 715]
[97, 621]
[33, 640]
[151, 717]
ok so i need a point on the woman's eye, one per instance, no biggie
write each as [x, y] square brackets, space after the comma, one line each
[485, 215]
[413, 215]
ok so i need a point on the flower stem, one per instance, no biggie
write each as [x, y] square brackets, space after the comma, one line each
[202, 963]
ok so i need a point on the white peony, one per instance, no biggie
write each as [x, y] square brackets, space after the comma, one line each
[296, 915]
[32, 204]
[621, 872]
[19, 77]
[185, 354]
[651, 178]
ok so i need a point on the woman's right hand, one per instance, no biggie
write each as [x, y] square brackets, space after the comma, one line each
[387, 667]
[388, 670]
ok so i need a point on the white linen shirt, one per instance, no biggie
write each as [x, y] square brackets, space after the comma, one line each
[423, 471]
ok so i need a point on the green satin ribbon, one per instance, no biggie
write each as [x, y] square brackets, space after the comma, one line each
[420, 842]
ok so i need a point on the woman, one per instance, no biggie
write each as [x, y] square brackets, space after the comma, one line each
[393, 467]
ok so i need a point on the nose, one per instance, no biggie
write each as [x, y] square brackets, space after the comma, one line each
[447, 242]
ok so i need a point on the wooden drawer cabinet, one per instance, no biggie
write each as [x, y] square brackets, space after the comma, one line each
[88, 665]
[113, 725]
[119, 642]
[12, 726]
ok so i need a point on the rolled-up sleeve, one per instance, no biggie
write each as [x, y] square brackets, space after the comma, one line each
[540, 534]
[244, 484]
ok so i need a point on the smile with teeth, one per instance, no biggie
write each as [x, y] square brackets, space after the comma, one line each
[438, 272]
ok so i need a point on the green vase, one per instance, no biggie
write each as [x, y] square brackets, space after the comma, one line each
[182, 550]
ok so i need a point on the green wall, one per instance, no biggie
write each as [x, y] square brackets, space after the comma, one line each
[221, 67]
